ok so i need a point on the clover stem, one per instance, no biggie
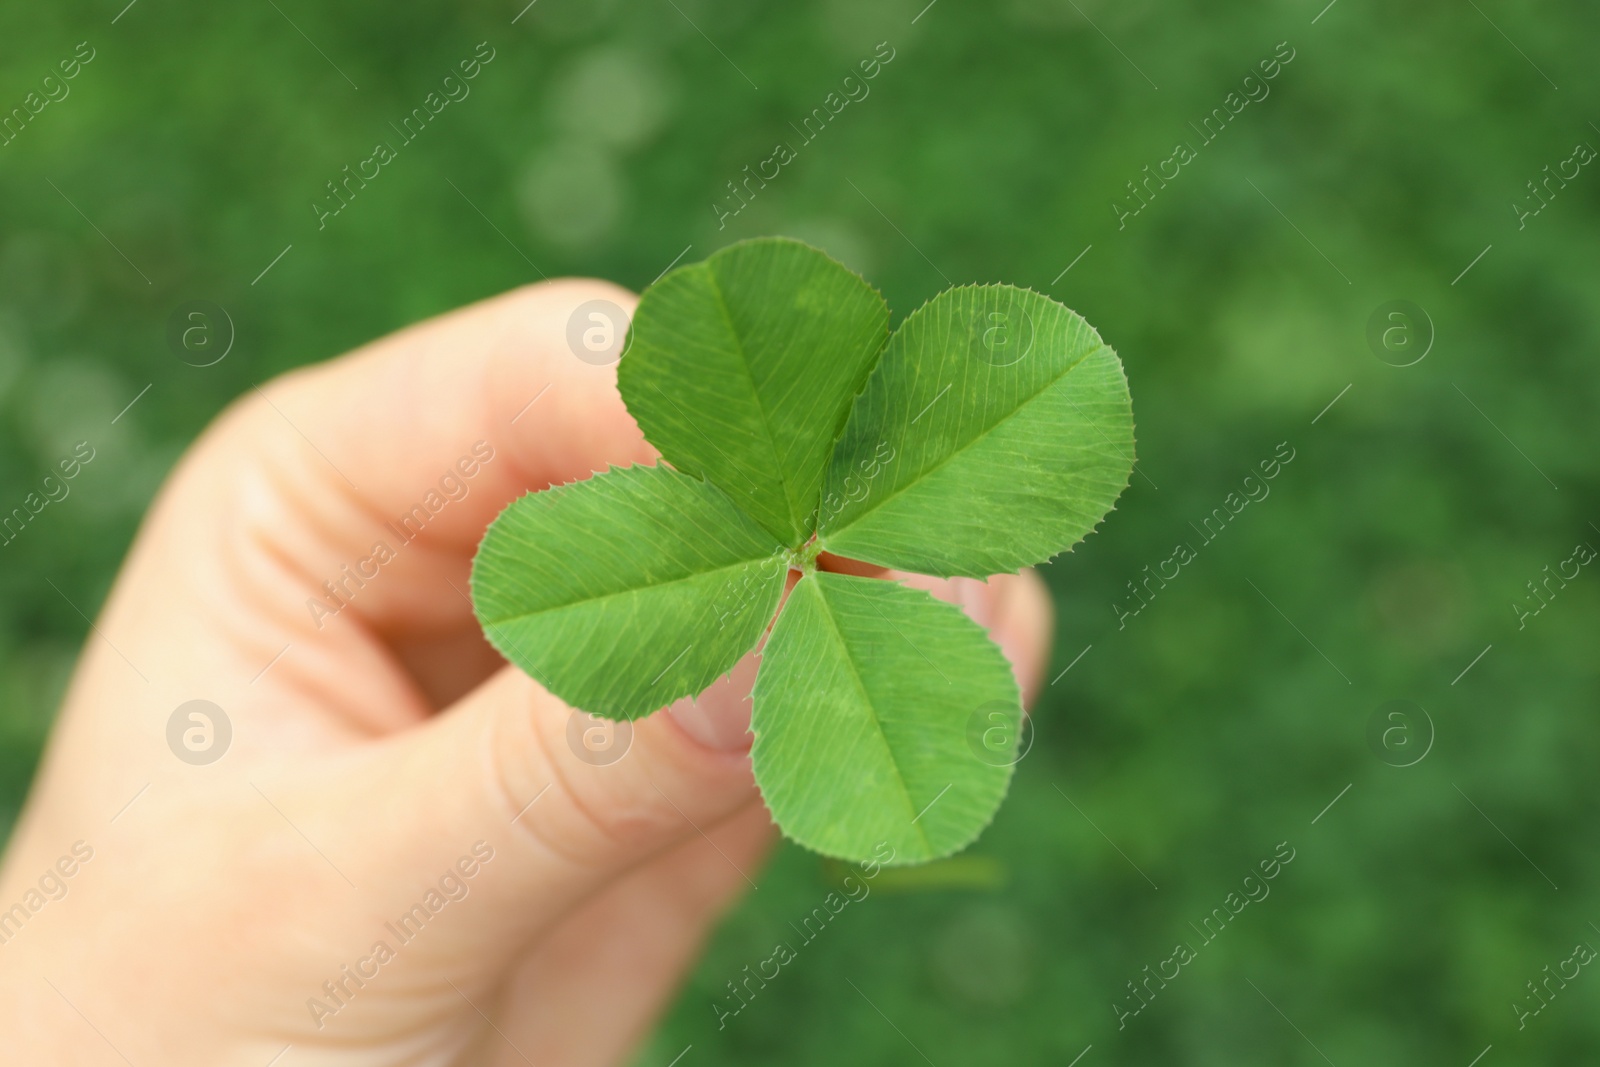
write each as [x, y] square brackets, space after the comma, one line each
[804, 558]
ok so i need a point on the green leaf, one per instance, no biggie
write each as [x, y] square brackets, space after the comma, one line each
[995, 432]
[863, 712]
[629, 590]
[742, 368]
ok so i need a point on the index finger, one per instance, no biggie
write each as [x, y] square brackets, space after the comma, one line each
[394, 458]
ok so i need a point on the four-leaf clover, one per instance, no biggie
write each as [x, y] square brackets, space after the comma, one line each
[992, 430]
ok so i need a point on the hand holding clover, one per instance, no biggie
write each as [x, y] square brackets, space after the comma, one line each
[378, 749]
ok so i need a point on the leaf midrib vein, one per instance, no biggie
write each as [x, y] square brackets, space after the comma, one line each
[761, 408]
[861, 687]
[927, 472]
[644, 587]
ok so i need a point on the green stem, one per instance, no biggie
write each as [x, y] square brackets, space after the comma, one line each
[804, 558]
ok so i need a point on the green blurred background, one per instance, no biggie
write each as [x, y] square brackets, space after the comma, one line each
[1192, 740]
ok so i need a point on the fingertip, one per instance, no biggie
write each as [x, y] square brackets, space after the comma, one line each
[1024, 626]
[552, 383]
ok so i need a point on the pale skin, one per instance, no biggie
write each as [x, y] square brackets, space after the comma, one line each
[375, 753]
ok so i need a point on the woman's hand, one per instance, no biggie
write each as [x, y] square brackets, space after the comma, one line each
[406, 852]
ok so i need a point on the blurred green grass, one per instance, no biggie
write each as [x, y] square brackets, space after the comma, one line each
[1196, 738]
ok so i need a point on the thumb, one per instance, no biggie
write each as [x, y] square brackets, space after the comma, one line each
[564, 802]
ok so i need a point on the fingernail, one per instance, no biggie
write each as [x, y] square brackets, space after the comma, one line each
[719, 718]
